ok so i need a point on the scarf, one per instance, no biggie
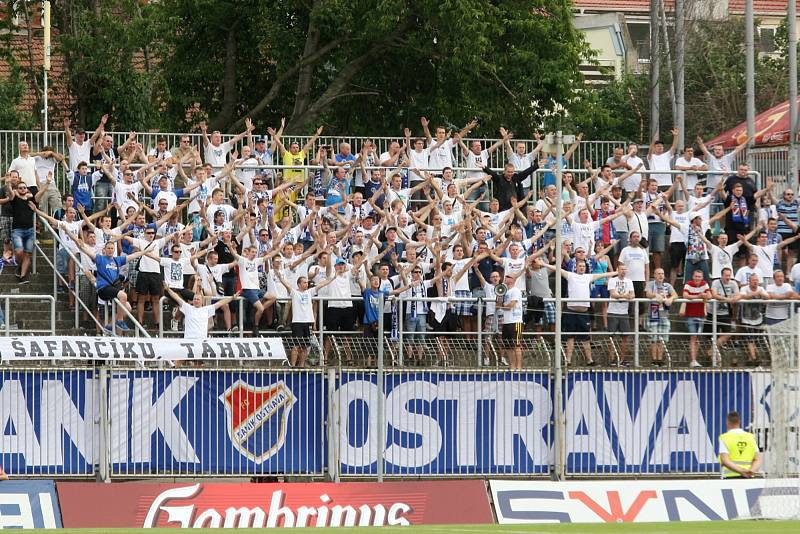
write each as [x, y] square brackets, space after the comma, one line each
[739, 213]
[696, 247]
[605, 233]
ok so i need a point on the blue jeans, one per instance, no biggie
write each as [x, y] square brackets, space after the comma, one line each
[62, 261]
[416, 327]
[23, 239]
[691, 266]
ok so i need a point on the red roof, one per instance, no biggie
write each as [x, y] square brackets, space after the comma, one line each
[59, 96]
[735, 7]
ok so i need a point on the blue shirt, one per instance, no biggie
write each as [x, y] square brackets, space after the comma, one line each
[372, 304]
[549, 176]
[336, 192]
[108, 269]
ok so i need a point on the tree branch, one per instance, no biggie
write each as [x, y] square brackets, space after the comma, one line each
[229, 92]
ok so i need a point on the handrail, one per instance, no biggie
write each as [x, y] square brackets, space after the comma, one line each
[72, 256]
[7, 311]
[59, 276]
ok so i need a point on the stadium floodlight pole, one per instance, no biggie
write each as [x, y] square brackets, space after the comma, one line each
[680, 53]
[750, 78]
[46, 64]
[655, 60]
[381, 411]
[792, 56]
[558, 416]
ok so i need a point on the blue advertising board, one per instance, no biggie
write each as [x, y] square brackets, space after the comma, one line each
[29, 505]
[164, 422]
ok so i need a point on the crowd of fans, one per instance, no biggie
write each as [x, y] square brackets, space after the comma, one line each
[220, 231]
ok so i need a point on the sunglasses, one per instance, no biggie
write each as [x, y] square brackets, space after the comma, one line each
[417, 272]
[149, 233]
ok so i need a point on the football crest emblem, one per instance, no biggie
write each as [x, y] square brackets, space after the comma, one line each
[257, 418]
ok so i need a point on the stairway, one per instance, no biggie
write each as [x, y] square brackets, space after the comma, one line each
[32, 317]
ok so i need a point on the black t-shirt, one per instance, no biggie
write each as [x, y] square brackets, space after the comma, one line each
[224, 252]
[22, 213]
[5, 209]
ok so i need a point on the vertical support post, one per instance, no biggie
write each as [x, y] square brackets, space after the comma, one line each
[53, 315]
[714, 335]
[381, 430]
[792, 57]
[35, 248]
[55, 270]
[480, 328]
[655, 64]
[559, 467]
[680, 54]
[750, 77]
[7, 315]
[321, 304]
[104, 459]
[160, 305]
[46, 67]
[333, 427]
[241, 317]
[400, 326]
[636, 333]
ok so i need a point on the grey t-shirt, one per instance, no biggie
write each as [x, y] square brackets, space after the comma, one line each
[729, 289]
[539, 283]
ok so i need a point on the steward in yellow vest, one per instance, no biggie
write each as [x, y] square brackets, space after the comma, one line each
[738, 451]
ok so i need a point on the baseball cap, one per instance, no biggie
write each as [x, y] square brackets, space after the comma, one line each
[339, 261]
[260, 139]
[635, 200]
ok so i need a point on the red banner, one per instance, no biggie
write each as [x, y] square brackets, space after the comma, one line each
[198, 505]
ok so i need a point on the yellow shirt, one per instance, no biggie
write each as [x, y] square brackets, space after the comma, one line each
[298, 159]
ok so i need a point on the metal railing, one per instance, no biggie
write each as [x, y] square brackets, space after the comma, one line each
[7, 314]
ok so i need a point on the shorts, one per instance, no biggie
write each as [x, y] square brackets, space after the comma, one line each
[619, 323]
[489, 325]
[576, 325]
[301, 329]
[677, 254]
[183, 293]
[252, 295]
[337, 319]
[512, 334]
[752, 332]
[108, 293]
[449, 323]
[659, 330]
[86, 292]
[23, 239]
[656, 236]
[694, 325]
[5, 229]
[795, 246]
[725, 324]
[599, 291]
[415, 328]
[545, 314]
[371, 329]
[769, 321]
[149, 283]
[463, 307]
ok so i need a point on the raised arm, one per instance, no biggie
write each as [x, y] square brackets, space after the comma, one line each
[310, 143]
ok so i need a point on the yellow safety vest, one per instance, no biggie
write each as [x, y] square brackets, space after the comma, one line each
[742, 450]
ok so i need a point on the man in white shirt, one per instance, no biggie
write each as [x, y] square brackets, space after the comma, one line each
[25, 165]
[216, 152]
[80, 149]
[195, 315]
[777, 312]
[441, 151]
[638, 262]
[720, 164]
[658, 160]
[766, 253]
[632, 161]
[512, 310]
[687, 162]
[520, 158]
[248, 278]
[745, 272]
[620, 289]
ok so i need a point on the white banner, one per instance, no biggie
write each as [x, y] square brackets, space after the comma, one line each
[642, 501]
[138, 349]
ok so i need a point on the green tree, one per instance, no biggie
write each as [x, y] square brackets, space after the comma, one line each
[362, 66]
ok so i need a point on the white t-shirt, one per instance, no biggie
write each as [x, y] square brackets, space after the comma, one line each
[248, 271]
[676, 235]
[632, 182]
[217, 156]
[174, 271]
[578, 287]
[661, 162]
[79, 153]
[121, 190]
[512, 266]
[794, 274]
[195, 321]
[302, 305]
[478, 161]
[154, 153]
[419, 160]
[583, 235]
[635, 258]
[45, 166]
[778, 310]
[721, 258]
[704, 212]
[765, 254]
[719, 168]
[441, 156]
[210, 276]
[690, 179]
[26, 167]
[744, 273]
[340, 287]
[147, 264]
[621, 286]
[521, 163]
[514, 314]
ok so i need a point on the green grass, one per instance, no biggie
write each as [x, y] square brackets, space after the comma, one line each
[706, 527]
